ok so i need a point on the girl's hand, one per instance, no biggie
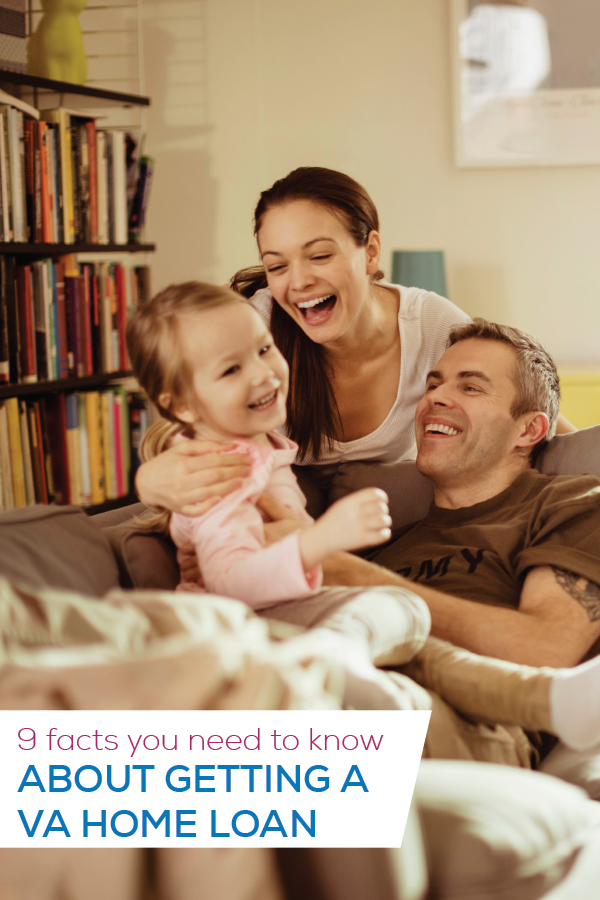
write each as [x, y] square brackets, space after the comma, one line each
[283, 521]
[359, 520]
[191, 476]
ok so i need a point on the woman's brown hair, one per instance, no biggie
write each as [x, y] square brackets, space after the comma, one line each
[313, 418]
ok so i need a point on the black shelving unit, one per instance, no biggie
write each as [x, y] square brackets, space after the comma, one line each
[36, 388]
[63, 87]
[11, 249]
[69, 96]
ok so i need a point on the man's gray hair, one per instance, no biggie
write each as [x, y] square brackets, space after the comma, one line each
[535, 376]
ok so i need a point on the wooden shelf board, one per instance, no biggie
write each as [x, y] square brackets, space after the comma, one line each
[62, 384]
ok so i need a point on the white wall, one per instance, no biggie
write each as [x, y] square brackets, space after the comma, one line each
[246, 90]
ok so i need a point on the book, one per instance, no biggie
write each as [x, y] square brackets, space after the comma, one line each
[26, 451]
[64, 362]
[7, 484]
[94, 430]
[43, 138]
[37, 452]
[102, 187]
[84, 451]
[56, 430]
[119, 186]
[139, 205]
[51, 171]
[40, 321]
[15, 132]
[30, 129]
[5, 178]
[108, 452]
[26, 325]
[73, 450]
[4, 333]
[93, 180]
[15, 452]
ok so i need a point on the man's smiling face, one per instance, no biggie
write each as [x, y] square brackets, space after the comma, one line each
[464, 426]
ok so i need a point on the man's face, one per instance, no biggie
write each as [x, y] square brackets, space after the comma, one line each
[463, 423]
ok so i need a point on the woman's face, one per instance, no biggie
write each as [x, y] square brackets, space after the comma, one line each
[315, 269]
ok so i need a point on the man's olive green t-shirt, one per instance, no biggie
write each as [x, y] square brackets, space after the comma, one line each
[484, 552]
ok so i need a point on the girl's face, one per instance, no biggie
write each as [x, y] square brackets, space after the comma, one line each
[240, 378]
[315, 269]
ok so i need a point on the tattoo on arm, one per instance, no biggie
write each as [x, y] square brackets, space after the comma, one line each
[585, 592]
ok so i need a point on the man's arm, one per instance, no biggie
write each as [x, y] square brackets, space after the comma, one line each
[557, 621]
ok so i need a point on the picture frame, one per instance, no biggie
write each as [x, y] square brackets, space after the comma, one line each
[526, 83]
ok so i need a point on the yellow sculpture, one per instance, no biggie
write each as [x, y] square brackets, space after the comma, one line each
[55, 49]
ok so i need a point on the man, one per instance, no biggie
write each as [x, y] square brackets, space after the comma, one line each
[508, 560]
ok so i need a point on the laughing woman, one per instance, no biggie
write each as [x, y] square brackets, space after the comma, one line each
[359, 349]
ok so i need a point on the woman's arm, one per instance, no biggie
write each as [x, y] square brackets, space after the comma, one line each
[563, 426]
[191, 476]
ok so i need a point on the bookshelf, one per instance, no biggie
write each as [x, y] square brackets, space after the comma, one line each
[27, 395]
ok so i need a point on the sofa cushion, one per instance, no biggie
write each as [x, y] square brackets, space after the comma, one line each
[145, 559]
[572, 454]
[56, 546]
[498, 833]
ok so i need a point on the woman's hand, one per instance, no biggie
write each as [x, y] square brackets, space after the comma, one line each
[188, 564]
[191, 476]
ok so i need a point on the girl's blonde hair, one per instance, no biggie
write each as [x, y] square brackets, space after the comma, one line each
[153, 336]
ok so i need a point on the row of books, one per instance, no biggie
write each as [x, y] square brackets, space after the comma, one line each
[78, 448]
[63, 180]
[61, 319]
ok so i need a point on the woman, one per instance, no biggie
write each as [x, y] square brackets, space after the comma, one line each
[359, 349]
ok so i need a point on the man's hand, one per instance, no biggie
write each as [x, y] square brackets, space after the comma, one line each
[191, 476]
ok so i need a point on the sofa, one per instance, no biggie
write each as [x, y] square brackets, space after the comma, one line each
[475, 831]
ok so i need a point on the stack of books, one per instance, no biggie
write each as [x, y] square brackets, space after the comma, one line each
[61, 319]
[78, 448]
[65, 181]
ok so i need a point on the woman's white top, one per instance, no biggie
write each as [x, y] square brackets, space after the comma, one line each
[424, 320]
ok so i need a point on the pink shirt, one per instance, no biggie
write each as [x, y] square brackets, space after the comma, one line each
[230, 538]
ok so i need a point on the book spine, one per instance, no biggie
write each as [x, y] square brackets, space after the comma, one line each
[37, 453]
[56, 424]
[118, 445]
[16, 452]
[69, 198]
[106, 398]
[72, 307]
[94, 425]
[26, 451]
[142, 194]
[4, 334]
[83, 174]
[93, 181]
[39, 307]
[38, 212]
[6, 185]
[45, 187]
[120, 187]
[21, 136]
[51, 164]
[62, 344]
[120, 290]
[84, 452]
[27, 325]
[73, 449]
[102, 187]
[86, 318]
[30, 128]
[15, 175]
[7, 479]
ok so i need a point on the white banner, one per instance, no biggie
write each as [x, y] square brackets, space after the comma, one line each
[208, 778]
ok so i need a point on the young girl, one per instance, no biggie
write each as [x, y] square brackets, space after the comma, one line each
[207, 360]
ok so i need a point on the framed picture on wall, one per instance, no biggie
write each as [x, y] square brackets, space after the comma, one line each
[526, 82]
